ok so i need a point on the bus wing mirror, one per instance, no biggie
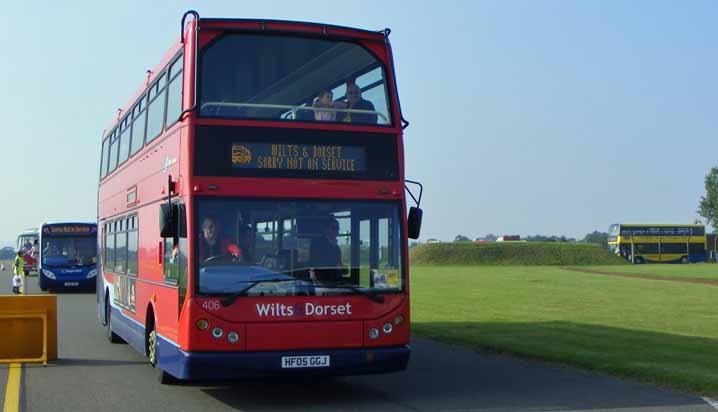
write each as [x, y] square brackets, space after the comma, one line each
[168, 222]
[414, 222]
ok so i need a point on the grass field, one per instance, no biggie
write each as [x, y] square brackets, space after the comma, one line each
[656, 331]
[702, 271]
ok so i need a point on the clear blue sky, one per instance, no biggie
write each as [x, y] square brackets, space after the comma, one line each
[527, 117]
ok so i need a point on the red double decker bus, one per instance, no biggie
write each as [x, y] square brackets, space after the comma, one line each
[252, 208]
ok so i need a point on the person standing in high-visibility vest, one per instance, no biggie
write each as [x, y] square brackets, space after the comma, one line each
[18, 271]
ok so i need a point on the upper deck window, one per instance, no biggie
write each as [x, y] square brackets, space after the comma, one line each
[292, 78]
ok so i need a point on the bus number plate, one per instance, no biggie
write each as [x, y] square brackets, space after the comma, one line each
[319, 361]
[72, 283]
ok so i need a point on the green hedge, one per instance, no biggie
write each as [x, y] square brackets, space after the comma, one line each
[513, 253]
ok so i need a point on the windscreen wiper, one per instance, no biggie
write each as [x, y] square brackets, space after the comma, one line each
[373, 296]
[231, 298]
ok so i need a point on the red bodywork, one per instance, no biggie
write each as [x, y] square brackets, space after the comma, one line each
[145, 176]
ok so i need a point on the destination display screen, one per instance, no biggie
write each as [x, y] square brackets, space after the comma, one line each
[72, 229]
[312, 157]
[295, 153]
[662, 231]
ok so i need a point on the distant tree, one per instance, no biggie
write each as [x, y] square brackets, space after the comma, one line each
[708, 206]
[554, 238]
[462, 238]
[491, 237]
[541, 238]
[7, 253]
[413, 244]
[599, 238]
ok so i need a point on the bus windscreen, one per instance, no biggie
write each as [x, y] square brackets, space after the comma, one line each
[292, 248]
[69, 245]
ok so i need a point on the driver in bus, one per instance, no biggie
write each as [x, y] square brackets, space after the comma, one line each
[325, 256]
[213, 243]
[247, 238]
[50, 249]
[35, 249]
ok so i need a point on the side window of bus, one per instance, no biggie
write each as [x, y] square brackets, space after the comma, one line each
[103, 247]
[132, 241]
[174, 91]
[103, 158]
[120, 246]
[697, 248]
[138, 126]
[156, 108]
[110, 248]
[124, 133]
[114, 143]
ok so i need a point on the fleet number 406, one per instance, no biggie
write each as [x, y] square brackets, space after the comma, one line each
[210, 305]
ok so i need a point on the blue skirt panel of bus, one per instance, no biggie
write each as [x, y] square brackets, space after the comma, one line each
[229, 365]
[130, 330]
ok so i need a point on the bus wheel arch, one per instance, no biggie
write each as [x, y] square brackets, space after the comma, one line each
[684, 259]
[111, 335]
[151, 348]
[149, 331]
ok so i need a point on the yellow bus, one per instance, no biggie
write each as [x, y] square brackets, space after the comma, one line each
[641, 243]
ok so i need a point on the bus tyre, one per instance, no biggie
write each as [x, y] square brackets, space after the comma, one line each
[162, 377]
[639, 260]
[111, 336]
[684, 259]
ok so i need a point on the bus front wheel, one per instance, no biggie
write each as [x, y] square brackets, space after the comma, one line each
[162, 377]
[684, 259]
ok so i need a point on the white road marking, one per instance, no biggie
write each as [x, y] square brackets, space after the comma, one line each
[711, 402]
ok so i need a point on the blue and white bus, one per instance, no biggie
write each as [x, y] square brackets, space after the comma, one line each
[68, 256]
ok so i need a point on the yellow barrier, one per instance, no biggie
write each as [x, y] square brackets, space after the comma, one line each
[28, 325]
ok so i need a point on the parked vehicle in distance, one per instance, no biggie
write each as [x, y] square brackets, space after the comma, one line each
[68, 256]
[27, 242]
[660, 243]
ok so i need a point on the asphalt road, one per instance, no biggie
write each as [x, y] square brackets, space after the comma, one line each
[93, 375]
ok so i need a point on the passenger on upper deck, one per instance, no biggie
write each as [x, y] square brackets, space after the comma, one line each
[326, 100]
[213, 244]
[356, 102]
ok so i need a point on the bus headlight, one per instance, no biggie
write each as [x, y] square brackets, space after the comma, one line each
[233, 337]
[48, 274]
[92, 273]
[202, 324]
[373, 333]
[388, 328]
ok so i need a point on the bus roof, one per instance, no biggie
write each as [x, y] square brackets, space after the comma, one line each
[68, 223]
[661, 225]
[292, 26]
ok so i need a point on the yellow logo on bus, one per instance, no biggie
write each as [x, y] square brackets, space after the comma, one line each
[241, 155]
